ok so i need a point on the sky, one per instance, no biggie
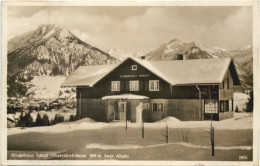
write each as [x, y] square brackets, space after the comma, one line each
[142, 28]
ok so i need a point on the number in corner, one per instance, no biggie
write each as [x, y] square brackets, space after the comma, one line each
[242, 157]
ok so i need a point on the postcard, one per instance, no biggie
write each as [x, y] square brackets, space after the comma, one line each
[130, 83]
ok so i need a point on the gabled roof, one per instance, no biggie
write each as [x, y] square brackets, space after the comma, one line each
[197, 71]
[176, 72]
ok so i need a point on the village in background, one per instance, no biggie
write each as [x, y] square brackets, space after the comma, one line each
[40, 60]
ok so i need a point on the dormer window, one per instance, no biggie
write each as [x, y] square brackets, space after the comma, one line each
[134, 67]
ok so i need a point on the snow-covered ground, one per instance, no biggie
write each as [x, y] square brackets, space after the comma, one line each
[105, 147]
[47, 87]
[240, 121]
[240, 100]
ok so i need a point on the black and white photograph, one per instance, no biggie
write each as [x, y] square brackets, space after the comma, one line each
[134, 83]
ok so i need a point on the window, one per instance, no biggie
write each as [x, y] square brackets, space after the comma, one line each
[211, 107]
[145, 106]
[122, 107]
[224, 106]
[227, 83]
[134, 67]
[221, 106]
[157, 107]
[223, 85]
[134, 85]
[154, 85]
[115, 85]
[230, 105]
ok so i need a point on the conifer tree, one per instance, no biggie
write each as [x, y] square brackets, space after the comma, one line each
[28, 120]
[236, 109]
[45, 120]
[38, 121]
[249, 104]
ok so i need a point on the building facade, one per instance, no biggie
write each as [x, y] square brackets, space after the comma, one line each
[137, 90]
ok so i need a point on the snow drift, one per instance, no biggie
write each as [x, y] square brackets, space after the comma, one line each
[240, 121]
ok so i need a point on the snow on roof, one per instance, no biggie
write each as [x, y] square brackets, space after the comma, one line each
[87, 75]
[125, 96]
[197, 71]
[175, 72]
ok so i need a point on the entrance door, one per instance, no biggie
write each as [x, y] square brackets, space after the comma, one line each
[122, 110]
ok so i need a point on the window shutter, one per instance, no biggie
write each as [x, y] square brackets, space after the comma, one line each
[146, 85]
[140, 85]
[160, 86]
[128, 112]
[122, 85]
[116, 110]
[127, 86]
[109, 86]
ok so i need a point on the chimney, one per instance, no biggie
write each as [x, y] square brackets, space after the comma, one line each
[180, 57]
[142, 57]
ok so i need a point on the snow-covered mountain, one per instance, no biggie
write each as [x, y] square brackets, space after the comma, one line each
[138, 54]
[191, 50]
[49, 50]
[121, 54]
[242, 56]
[118, 54]
[243, 48]
[52, 50]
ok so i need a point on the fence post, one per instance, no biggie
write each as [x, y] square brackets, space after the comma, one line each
[142, 128]
[212, 141]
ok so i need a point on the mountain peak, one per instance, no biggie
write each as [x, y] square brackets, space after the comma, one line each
[56, 48]
[43, 33]
[174, 40]
[43, 29]
[118, 53]
[43, 26]
[48, 30]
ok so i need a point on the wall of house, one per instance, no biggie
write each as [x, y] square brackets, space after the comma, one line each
[191, 92]
[93, 108]
[155, 116]
[226, 92]
[186, 109]
[226, 115]
[103, 110]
